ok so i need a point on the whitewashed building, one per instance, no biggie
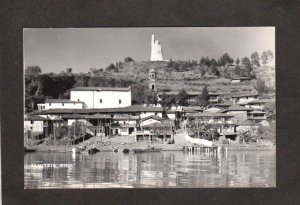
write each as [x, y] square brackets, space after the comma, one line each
[102, 97]
[61, 104]
[245, 98]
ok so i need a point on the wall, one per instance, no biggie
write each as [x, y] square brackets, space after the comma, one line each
[110, 99]
[66, 105]
[37, 126]
[246, 99]
[238, 115]
[147, 114]
[171, 116]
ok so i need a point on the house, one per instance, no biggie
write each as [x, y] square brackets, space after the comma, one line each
[238, 79]
[244, 97]
[247, 125]
[215, 98]
[224, 123]
[258, 104]
[257, 116]
[34, 125]
[157, 131]
[102, 97]
[150, 120]
[239, 113]
[60, 103]
[192, 96]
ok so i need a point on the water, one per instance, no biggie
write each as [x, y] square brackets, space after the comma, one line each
[162, 169]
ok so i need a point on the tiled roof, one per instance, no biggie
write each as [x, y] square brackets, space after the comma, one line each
[208, 114]
[259, 101]
[100, 89]
[244, 95]
[238, 108]
[129, 109]
[34, 118]
[61, 101]
[153, 117]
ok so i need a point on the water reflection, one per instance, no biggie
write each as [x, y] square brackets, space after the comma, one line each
[164, 169]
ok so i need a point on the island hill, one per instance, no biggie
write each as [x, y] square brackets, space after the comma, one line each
[170, 76]
[232, 82]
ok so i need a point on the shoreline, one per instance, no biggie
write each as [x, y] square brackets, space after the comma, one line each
[164, 147]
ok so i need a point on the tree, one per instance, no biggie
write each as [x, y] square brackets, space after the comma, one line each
[264, 58]
[237, 61]
[225, 59]
[110, 67]
[69, 70]
[128, 59]
[214, 70]
[182, 98]
[167, 101]
[213, 62]
[270, 56]
[261, 87]
[152, 98]
[204, 97]
[33, 70]
[248, 68]
[238, 71]
[255, 59]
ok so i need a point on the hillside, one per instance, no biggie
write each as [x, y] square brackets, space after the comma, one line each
[170, 79]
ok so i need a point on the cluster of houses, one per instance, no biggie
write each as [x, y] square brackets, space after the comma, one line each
[106, 111]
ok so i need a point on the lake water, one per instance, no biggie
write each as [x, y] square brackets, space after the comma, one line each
[150, 170]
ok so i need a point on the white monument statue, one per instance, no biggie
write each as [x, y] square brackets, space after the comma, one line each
[156, 50]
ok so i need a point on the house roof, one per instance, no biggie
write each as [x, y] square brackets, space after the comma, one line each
[208, 114]
[34, 118]
[237, 108]
[191, 93]
[244, 95]
[100, 89]
[191, 108]
[61, 101]
[73, 116]
[248, 123]
[159, 125]
[129, 109]
[153, 117]
[259, 101]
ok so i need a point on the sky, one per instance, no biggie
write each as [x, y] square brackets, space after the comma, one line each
[56, 49]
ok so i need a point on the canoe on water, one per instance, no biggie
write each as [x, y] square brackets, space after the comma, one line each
[147, 150]
[27, 149]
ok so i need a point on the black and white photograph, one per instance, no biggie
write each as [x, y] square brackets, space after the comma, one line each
[149, 107]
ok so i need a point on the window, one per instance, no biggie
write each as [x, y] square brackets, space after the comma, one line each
[63, 104]
[120, 101]
[49, 104]
[152, 87]
[78, 100]
[31, 121]
[100, 100]
[156, 114]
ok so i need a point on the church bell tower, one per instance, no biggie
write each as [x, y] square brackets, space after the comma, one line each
[152, 80]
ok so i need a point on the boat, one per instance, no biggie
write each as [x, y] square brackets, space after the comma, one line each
[93, 150]
[27, 149]
[125, 150]
[153, 149]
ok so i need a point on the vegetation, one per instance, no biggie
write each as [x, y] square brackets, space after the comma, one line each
[203, 98]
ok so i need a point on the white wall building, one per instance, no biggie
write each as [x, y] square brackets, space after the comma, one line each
[102, 97]
[60, 104]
